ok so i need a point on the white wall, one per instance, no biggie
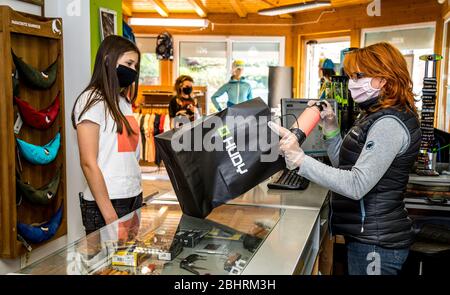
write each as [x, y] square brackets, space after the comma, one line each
[22, 6]
[77, 72]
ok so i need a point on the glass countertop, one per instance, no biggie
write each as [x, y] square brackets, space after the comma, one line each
[159, 240]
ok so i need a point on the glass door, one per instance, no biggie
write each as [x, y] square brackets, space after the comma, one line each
[317, 51]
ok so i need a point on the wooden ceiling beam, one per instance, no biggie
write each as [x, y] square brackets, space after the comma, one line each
[160, 7]
[238, 8]
[287, 15]
[199, 8]
[126, 10]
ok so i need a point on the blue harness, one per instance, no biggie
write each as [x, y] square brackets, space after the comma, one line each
[39, 233]
[40, 155]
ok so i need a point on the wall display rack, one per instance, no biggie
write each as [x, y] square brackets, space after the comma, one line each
[33, 171]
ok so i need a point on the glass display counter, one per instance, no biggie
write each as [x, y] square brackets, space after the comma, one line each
[159, 240]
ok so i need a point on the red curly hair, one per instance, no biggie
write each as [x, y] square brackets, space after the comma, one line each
[382, 60]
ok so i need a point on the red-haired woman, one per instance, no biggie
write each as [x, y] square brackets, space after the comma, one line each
[371, 164]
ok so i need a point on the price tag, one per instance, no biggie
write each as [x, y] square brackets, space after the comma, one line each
[18, 125]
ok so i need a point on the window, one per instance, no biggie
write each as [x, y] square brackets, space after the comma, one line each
[208, 60]
[412, 41]
[205, 62]
[150, 69]
[318, 50]
[258, 57]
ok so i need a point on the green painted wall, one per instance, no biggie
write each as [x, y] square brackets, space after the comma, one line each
[115, 5]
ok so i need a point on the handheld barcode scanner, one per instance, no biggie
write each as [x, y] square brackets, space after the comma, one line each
[307, 121]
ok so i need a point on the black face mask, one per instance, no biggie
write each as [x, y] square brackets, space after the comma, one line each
[126, 76]
[187, 90]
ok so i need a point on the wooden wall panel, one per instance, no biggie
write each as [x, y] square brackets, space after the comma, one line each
[348, 20]
[446, 10]
[7, 184]
[226, 25]
[393, 13]
[354, 18]
[438, 43]
[442, 118]
[220, 6]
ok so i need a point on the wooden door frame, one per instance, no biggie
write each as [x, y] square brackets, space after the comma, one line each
[444, 120]
[300, 81]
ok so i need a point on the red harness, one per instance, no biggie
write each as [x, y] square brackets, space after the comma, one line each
[42, 119]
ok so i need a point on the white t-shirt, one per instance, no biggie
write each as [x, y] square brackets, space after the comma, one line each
[118, 154]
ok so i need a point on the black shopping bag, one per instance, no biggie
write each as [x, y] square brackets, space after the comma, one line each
[204, 177]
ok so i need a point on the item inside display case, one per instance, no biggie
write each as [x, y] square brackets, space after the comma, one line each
[156, 245]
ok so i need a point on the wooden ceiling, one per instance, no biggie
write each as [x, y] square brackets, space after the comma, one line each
[166, 8]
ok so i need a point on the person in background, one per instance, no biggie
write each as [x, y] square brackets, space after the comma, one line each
[183, 105]
[371, 163]
[108, 135]
[326, 71]
[237, 89]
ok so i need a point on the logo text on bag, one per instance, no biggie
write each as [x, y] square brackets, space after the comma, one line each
[231, 148]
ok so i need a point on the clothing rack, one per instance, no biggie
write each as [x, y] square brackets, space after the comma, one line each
[152, 96]
[152, 105]
[148, 108]
[153, 119]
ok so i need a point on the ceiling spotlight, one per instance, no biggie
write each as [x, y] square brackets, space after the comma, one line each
[294, 7]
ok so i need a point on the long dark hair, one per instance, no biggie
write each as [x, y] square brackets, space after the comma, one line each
[180, 80]
[104, 84]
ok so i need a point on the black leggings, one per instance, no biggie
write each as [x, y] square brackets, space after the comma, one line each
[92, 217]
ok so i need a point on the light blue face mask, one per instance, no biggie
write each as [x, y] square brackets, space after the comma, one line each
[40, 155]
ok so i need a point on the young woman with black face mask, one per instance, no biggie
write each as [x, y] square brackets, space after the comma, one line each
[108, 135]
[183, 107]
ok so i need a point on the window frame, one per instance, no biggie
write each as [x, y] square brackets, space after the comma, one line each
[396, 27]
[229, 40]
[304, 72]
[441, 118]
[159, 62]
[421, 25]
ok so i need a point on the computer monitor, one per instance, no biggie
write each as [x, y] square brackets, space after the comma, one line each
[291, 109]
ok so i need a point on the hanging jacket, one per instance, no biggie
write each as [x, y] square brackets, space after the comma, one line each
[237, 90]
[143, 138]
[380, 217]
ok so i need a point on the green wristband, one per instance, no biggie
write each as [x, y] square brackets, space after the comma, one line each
[331, 134]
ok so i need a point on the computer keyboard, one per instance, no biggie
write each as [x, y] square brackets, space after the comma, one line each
[290, 180]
